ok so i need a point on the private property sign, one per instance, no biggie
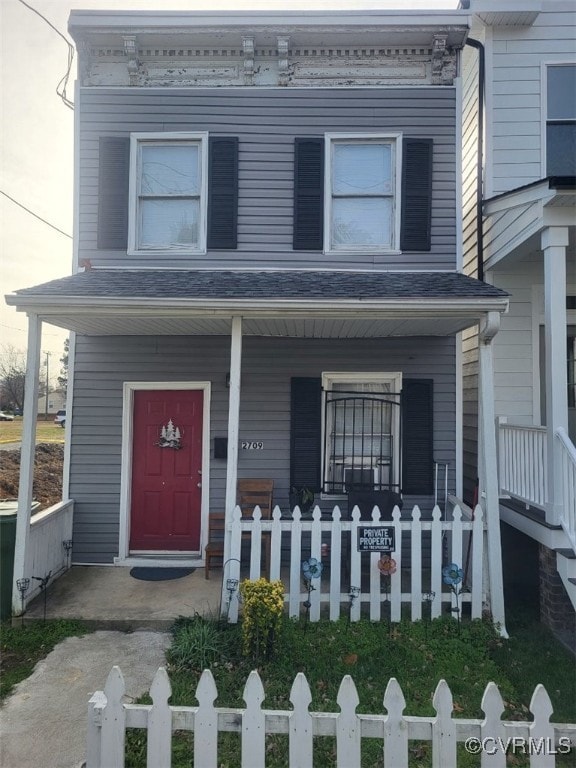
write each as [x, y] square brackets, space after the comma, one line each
[376, 538]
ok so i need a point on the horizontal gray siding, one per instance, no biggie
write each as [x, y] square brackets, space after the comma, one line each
[266, 122]
[103, 364]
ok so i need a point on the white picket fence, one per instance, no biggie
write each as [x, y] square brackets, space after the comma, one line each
[109, 716]
[419, 582]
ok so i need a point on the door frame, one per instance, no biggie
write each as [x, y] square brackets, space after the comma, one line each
[124, 557]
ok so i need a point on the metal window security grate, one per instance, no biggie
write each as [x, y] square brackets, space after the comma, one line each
[362, 440]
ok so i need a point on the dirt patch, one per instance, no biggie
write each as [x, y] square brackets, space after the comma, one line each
[48, 464]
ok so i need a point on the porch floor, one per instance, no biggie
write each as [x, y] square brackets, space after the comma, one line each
[109, 598]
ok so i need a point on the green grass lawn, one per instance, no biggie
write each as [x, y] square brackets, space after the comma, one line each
[46, 431]
[418, 655]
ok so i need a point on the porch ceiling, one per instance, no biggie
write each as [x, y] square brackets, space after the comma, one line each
[290, 304]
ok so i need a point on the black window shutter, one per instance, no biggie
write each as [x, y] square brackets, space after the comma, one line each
[308, 194]
[305, 433]
[222, 192]
[416, 194]
[417, 436]
[113, 179]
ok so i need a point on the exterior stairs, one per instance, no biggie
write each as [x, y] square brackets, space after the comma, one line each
[566, 564]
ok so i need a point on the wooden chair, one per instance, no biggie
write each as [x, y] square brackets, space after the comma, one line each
[215, 546]
[251, 493]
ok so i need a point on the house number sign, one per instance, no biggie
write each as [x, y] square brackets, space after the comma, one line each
[252, 445]
[376, 538]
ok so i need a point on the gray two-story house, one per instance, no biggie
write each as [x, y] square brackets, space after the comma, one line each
[268, 273]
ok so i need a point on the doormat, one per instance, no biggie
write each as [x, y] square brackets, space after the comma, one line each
[160, 574]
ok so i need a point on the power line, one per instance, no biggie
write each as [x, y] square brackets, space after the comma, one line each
[64, 80]
[34, 214]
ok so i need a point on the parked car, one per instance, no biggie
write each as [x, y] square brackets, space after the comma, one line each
[6, 416]
[60, 418]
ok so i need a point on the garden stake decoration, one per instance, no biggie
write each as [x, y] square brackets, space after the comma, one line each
[387, 566]
[311, 569]
[43, 586]
[231, 587]
[22, 585]
[452, 575]
[428, 598]
[354, 593]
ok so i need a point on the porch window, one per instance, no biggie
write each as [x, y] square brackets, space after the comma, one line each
[168, 192]
[361, 432]
[362, 183]
[561, 120]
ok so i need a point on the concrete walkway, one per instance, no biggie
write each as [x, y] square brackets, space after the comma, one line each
[43, 723]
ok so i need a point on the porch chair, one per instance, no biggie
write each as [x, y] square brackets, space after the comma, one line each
[251, 493]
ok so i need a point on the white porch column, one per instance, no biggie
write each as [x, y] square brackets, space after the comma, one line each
[488, 468]
[233, 426]
[554, 243]
[30, 414]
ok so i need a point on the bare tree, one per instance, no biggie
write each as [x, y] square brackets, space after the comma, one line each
[63, 378]
[12, 376]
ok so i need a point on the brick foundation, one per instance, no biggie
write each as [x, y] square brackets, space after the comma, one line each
[556, 610]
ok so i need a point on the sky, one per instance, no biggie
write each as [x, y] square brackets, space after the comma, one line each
[36, 138]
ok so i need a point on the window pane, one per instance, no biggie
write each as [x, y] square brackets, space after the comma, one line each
[170, 170]
[562, 92]
[561, 149]
[366, 221]
[169, 222]
[363, 169]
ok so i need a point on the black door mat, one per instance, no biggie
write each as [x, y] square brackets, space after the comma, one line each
[160, 574]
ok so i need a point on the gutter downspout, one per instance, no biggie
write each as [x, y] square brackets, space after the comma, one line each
[479, 162]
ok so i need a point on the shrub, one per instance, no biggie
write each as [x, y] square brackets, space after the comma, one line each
[263, 603]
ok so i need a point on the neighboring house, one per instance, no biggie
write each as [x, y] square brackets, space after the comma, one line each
[268, 271]
[528, 249]
[56, 401]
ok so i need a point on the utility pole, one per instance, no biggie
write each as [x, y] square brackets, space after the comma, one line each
[47, 383]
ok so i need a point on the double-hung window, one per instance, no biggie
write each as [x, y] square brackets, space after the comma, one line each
[561, 120]
[362, 192]
[361, 431]
[168, 192]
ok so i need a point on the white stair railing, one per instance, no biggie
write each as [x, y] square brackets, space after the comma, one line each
[567, 458]
[522, 463]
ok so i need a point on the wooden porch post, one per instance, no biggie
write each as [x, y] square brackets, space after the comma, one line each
[233, 434]
[27, 456]
[554, 243]
[488, 467]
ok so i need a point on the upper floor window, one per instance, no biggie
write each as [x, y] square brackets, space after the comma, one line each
[168, 192]
[561, 120]
[362, 193]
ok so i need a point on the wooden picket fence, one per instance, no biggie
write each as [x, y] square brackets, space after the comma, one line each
[109, 716]
[414, 584]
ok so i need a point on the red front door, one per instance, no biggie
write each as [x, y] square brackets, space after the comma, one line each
[166, 480]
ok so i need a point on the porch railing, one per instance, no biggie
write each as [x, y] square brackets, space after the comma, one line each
[46, 552]
[522, 463]
[351, 579]
[567, 458]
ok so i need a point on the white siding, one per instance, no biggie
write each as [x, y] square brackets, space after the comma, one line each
[514, 64]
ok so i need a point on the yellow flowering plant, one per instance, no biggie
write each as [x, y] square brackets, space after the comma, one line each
[263, 603]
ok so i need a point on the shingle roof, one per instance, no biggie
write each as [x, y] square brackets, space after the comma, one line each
[299, 285]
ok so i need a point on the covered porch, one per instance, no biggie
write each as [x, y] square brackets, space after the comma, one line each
[240, 339]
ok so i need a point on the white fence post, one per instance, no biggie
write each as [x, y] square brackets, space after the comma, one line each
[541, 731]
[492, 728]
[443, 729]
[300, 726]
[94, 733]
[113, 721]
[159, 748]
[206, 723]
[254, 723]
[395, 729]
[348, 735]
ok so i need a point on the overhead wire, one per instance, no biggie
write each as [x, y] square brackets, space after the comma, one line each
[62, 84]
[53, 226]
